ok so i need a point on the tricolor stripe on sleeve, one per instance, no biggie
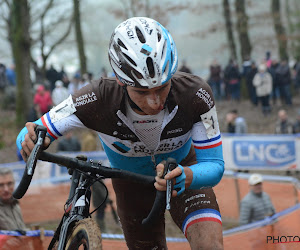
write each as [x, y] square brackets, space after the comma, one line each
[209, 143]
[51, 129]
[206, 214]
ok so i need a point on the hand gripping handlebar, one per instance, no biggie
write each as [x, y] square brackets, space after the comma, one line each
[162, 199]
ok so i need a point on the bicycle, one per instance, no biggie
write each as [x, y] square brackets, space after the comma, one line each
[76, 227]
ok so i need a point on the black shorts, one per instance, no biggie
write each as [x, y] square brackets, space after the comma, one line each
[134, 202]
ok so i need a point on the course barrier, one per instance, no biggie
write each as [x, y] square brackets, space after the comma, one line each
[280, 231]
[261, 152]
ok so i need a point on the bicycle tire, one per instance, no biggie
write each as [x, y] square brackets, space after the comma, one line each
[87, 233]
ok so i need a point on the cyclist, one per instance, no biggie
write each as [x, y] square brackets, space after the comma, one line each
[151, 114]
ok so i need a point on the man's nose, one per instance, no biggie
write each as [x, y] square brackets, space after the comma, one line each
[6, 187]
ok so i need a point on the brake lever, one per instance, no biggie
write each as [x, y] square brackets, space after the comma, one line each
[41, 132]
[170, 165]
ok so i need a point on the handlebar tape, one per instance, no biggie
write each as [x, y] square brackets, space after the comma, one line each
[31, 163]
[159, 204]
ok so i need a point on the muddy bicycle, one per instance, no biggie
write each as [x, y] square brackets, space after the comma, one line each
[76, 228]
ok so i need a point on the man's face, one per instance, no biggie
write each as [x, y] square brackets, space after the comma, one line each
[257, 189]
[7, 184]
[151, 101]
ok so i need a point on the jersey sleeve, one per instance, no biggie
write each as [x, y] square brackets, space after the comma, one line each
[207, 142]
[58, 120]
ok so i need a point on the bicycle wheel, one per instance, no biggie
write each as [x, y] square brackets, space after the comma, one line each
[85, 235]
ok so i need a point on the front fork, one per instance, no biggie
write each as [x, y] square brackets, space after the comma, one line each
[78, 209]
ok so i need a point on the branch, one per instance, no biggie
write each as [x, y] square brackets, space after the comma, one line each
[43, 14]
[50, 27]
[64, 36]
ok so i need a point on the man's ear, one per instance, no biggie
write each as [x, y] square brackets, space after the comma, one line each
[119, 82]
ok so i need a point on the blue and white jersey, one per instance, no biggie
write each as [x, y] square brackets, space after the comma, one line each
[190, 130]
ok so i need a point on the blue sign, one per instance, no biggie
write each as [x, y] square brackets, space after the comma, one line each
[258, 153]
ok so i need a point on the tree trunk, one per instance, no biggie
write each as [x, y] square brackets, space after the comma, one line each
[242, 29]
[21, 53]
[228, 26]
[279, 29]
[79, 38]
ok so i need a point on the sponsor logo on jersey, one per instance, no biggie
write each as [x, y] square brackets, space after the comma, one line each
[145, 121]
[205, 96]
[177, 130]
[85, 99]
[164, 147]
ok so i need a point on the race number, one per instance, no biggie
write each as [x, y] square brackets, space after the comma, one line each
[210, 122]
[62, 110]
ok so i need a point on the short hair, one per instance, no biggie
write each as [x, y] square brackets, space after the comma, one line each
[5, 171]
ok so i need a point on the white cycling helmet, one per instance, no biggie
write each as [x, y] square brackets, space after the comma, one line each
[142, 53]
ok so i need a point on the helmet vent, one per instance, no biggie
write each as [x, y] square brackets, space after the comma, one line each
[122, 44]
[150, 66]
[140, 35]
[158, 35]
[137, 74]
[163, 50]
[129, 59]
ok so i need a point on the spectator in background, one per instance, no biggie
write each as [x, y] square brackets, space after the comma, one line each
[103, 72]
[11, 75]
[268, 59]
[73, 85]
[10, 211]
[249, 74]
[34, 113]
[42, 97]
[52, 76]
[59, 93]
[284, 82]
[89, 141]
[232, 78]
[83, 81]
[215, 79]
[275, 89]
[296, 126]
[69, 143]
[185, 68]
[263, 84]
[297, 75]
[3, 78]
[283, 124]
[257, 204]
[235, 124]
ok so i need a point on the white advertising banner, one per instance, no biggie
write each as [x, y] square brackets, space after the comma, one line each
[272, 152]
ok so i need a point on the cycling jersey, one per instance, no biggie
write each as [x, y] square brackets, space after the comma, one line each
[190, 127]
[189, 133]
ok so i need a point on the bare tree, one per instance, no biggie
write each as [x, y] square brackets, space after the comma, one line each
[293, 20]
[229, 29]
[146, 8]
[47, 29]
[242, 29]
[79, 37]
[279, 29]
[21, 50]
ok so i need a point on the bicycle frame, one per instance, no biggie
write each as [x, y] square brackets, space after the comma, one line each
[77, 208]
